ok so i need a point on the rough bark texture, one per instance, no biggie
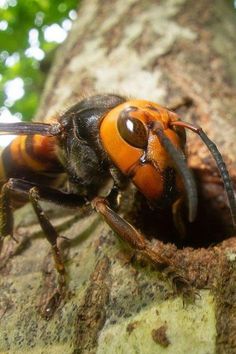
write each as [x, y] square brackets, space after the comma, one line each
[161, 51]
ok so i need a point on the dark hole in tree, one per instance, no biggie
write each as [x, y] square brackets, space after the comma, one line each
[212, 225]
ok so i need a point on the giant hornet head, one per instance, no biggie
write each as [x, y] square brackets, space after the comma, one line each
[129, 134]
[147, 143]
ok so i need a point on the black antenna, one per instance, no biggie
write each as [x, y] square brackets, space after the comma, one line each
[179, 160]
[220, 164]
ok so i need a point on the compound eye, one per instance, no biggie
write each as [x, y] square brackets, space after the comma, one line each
[133, 131]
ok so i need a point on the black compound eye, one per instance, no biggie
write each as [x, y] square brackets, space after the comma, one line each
[132, 130]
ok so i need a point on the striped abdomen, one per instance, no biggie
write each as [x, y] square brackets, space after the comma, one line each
[32, 158]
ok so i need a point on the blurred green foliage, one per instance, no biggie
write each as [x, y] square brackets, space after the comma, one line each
[24, 51]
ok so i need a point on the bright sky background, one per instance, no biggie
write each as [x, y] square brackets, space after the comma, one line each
[14, 89]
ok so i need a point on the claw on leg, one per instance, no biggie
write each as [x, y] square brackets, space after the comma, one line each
[129, 234]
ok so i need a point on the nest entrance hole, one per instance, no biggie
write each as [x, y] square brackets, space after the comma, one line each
[213, 223]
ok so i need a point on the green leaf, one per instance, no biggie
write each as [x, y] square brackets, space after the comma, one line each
[27, 15]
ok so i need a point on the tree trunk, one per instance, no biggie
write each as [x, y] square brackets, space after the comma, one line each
[161, 51]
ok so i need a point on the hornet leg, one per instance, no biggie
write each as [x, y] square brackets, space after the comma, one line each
[35, 193]
[129, 234]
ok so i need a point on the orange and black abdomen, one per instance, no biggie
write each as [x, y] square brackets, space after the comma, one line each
[32, 158]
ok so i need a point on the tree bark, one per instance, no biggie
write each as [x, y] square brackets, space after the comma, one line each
[161, 51]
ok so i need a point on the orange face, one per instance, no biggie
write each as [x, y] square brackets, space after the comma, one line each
[127, 136]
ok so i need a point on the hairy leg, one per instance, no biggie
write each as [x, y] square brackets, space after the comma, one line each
[35, 193]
